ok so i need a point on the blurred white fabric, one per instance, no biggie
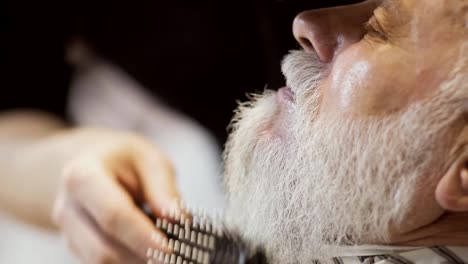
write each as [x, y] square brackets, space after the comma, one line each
[105, 96]
[23, 244]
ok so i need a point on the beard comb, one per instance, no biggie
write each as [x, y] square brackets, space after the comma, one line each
[199, 239]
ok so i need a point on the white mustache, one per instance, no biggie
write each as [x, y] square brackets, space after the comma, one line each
[303, 71]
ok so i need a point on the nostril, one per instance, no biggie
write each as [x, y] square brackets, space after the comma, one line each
[306, 44]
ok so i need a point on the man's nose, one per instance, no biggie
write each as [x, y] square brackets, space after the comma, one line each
[331, 30]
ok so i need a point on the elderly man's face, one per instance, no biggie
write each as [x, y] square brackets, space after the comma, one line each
[353, 150]
[378, 68]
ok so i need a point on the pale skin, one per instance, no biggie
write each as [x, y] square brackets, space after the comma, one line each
[83, 182]
[377, 69]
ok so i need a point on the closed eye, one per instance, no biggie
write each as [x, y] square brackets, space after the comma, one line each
[374, 29]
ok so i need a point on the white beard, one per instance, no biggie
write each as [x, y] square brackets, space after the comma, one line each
[326, 180]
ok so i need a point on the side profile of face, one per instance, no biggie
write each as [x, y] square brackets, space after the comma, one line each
[367, 142]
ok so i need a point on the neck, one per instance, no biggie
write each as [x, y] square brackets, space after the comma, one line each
[451, 229]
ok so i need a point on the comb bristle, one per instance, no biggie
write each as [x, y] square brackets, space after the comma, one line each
[181, 234]
[169, 228]
[193, 237]
[188, 251]
[173, 259]
[196, 239]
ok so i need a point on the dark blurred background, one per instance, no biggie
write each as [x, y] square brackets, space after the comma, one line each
[199, 58]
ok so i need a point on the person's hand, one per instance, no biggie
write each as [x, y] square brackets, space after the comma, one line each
[97, 204]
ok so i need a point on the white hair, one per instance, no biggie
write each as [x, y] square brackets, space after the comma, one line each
[334, 181]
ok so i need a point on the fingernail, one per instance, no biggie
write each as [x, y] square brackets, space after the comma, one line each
[149, 253]
[165, 245]
[164, 212]
[161, 256]
[155, 254]
[160, 242]
[156, 237]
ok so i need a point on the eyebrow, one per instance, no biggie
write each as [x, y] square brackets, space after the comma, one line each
[392, 7]
[394, 15]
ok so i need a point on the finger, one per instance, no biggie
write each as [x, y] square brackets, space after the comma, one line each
[158, 181]
[89, 243]
[112, 208]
